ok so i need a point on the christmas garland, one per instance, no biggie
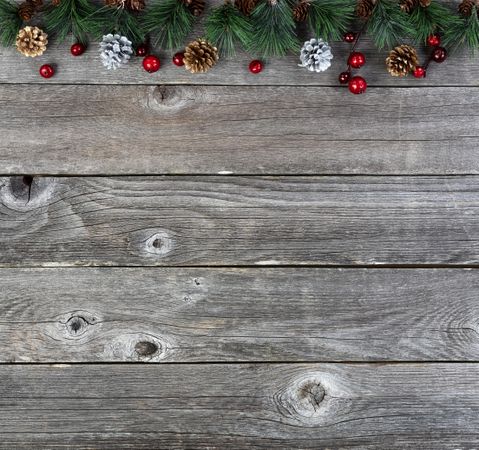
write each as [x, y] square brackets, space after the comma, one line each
[267, 28]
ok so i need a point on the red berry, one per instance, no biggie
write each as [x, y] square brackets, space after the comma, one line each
[78, 49]
[255, 66]
[178, 59]
[141, 50]
[344, 77]
[151, 63]
[357, 85]
[356, 60]
[349, 37]
[47, 71]
[434, 40]
[439, 54]
[419, 72]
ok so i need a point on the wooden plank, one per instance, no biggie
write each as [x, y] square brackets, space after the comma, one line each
[157, 221]
[242, 130]
[460, 70]
[231, 315]
[240, 406]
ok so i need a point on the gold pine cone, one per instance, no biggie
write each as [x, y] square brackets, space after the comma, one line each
[402, 60]
[246, 6]
[26, 11]
[465, 7]
[200, 56]
[301, 10]
[364, 8]
[195, 6]
[31, 41]
[408, 5]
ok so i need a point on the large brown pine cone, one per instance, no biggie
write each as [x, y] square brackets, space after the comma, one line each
[195, 6]
[26, 11]
[31, 41]
[465, 7]
[408, 5]
[301, 10]
[200, 56]
[402, 60]
[364, 8]
[246, 6]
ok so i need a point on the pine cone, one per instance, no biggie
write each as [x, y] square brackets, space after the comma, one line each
[31, 41]
[26, 11]
[115, 50]
[402, 60]
[424, 3]
[465, 7]
[195, 6]
[364, 8]
[56, 2]
[36, 3]
[301, 10]
[200, 56]
[316, 55]
[246, 6]
[131, 5]
[408, 5]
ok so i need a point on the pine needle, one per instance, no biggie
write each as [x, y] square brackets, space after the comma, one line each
[10, 22]
[330, 19]
[463, 32]
[429, 20]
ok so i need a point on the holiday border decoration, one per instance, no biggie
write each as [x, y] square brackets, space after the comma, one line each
[264, 28]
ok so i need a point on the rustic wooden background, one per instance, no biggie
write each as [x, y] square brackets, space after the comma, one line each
[238, 261]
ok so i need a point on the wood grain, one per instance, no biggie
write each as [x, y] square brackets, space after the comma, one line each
[157, 221]
[231, 315]
[236, 130]
[240, 406]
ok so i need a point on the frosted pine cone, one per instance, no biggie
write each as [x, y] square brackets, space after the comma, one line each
[31, 41]
[115, 50]
[316, 55]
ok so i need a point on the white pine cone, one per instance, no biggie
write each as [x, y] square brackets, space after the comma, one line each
[316, 55]
[115, 50]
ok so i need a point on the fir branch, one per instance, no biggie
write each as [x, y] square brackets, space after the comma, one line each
[225, 26]
[10, 22]
[388, 25]
[273, 29]
[127, 23]
[72, 16]
[429, 20]
[170, 21]
[463, 32]
[330, 19]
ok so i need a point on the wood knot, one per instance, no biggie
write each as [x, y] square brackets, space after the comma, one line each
[140, 347]
[25, 192]
[160, 244]
[170, 99]
[146, 348]
[77, 325]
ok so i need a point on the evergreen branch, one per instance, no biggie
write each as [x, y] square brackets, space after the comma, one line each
[10, 22]
[225, 26]
[330, 19]
[429, 20]
[388, 25]
[463, 32]
[72, 16]
[120, 20]
[170, 21]
[273, 29]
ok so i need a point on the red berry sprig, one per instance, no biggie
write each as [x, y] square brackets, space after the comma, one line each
[151, 63]
[47, 71]
[78, 49]
[255, 66]
[178, 59]
[438, 54]
[356, 84]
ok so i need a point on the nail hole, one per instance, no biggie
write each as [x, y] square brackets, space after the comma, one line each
[146, 348]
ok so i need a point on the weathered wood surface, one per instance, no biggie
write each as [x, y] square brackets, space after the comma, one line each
[314, 406]
[231, 315]
[236, 130]
[239, 220]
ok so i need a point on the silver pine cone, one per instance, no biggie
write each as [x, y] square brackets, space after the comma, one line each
[316, 55]
[115, 50]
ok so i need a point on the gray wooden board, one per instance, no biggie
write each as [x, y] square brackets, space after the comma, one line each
[431, 406]
[231, 315]
[236, 130]
[239, 220]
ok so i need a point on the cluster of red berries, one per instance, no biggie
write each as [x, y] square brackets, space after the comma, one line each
[356, 84]
[439, 55]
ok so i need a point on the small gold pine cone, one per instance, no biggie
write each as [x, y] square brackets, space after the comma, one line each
[195, 6]
[465, 7]
[135, 5]
[31, 41]
[246, 6]
[364, 8]
[200, 56]
[402, 60]
[56, 2]
[300, 11]
[424, 3]
[26, 11]
[408, 5]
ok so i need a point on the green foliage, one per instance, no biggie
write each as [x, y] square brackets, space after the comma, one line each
[388, 25]
[72, 16]
[330, 19]
[463, 32]
[426, 21]
[170, 22]
[273, 29]
[10, 22]
[111, 19]
[225, 27]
